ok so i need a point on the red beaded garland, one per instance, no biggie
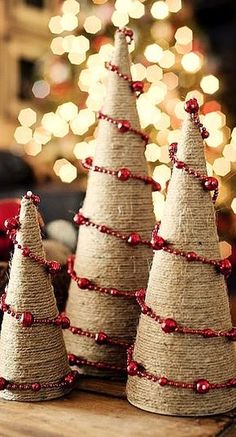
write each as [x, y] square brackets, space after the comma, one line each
[3, 383]
[66, 381]
[123, 126]
[74, 360]
[191, 106]
[123, 174]
[128, 33]
[12, 223]
[201, 386]
[27, 319]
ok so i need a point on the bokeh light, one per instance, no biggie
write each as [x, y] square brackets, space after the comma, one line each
[210, 84]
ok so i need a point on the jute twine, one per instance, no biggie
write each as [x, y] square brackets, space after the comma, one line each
[35, 354]
[194, 295]
[124, 206]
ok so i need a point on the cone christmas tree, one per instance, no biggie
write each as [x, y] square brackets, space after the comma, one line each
[113, 253]
[184, 361]
[33, 363]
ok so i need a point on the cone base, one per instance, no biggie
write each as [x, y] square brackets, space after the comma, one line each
[215, 410]
[42, 395]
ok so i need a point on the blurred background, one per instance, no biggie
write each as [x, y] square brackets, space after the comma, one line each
[53, 82]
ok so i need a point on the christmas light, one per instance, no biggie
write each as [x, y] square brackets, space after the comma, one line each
[184, 35]
[92, 24]
[119, 19]
[27, 117]
[68, 111]
[210, 84]
[152, 152]
[160, 10]
[71, 7]
[41, 89]
[191, 62]
[153, 52]
[55, 24]
[67, 173]
[69, 21]
[221, 166]
[32, 148]
[57, 45]
[23, 134]
[136, 9]
[233, 205]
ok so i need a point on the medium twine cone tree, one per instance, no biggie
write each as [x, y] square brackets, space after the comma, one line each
[184, 361]
[112, 259]
[33, 363]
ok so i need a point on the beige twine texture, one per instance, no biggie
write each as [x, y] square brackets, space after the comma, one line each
[193, 294]
[35, 354]
[123, 206]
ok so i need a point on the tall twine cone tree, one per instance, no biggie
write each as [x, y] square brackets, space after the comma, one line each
[33, 363]
[184, 361]
[113, 253]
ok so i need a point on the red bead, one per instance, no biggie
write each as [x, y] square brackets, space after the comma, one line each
[137, 86]
[25, 251]
[202, 386]
[71, 378]
[65, 322]
[204, 134]
[140, 294]
[225, 267]
[210, 184]
[132, 368]
[156, 186]
[208, 333]
[232, 334]
[11, 223]
[124, 174]
[102, 228]
[72, 359]
[168, 326]
[79, 219]
[191, 106]
[191, 256]
[179, 164]
[3, 383]
[101, 338]
[35, 199]
[232, 381]
[134, 239]
[173, 147]
[157, 242]
[83, 283]
[54, 267]
[88, 161]
[36, 386]
[123, 125]
[162, 381]
[27, 319]
[145, 138]
[128, 32]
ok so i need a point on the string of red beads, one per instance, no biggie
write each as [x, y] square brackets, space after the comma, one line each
[100, 365]
[12, 225]
[200, 386]
[123, 174]
[128, 33]
[169, 325]
[68, 381]
[135, 85]
[132, 239]
[86, 284]
[124, 126]
[100, 338]
[27, 319]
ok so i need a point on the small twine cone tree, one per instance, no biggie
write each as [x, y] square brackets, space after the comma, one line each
[33, 364]
[184, 361]
[111, 260]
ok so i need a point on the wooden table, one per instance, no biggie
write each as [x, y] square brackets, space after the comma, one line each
[89, 412]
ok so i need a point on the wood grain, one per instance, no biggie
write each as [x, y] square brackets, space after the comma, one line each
[89, 415]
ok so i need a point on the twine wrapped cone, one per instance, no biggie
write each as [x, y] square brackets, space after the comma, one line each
[193, 294]
[124, 206]
[37, 353]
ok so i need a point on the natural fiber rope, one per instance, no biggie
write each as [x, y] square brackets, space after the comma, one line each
[193, 294]
[125, 206]
[35, 354]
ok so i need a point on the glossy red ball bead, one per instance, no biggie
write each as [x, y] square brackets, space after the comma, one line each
[65, 322]
[123, 125]
[157, 242]
[191, 106]
[83, 283]
[232, 334]
[162, 381]
[72, 359]
[225, 267]
[137, 86]
[11, 223]
[54, 267]
[132, 368]
[191, 256]
[3, 383]
[156, 186]
[210, 183]
[202, 386]
[27, 319]
[173, 147]
[124, 174]
[79, 219]
[71, 378]
[204, 134]
[36, 386]
[25, 251]
[101, 338]
[168, 326]
[134, 239]
[179, 164]
[88, 161]
[140, 294]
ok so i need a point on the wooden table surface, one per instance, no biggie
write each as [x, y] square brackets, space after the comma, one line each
[85, 413]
